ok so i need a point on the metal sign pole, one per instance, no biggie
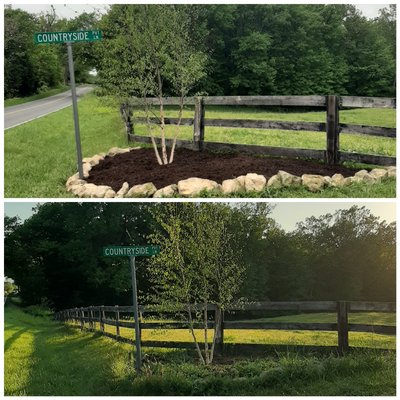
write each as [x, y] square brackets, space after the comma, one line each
[138, 357]
[75, 108]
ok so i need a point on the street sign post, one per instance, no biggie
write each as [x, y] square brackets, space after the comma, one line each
[132, 252]
[69, 38]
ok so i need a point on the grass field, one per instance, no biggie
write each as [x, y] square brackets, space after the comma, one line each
[21, 100]
[40, 155]
[43, 357]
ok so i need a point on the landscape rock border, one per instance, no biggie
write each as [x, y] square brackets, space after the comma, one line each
[192, 187]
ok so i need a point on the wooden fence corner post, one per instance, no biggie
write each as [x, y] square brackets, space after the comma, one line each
[219, 330]
[343, 327]
[332, 130]
[198, 123]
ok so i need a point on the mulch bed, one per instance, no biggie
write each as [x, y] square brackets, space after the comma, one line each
[140, 166]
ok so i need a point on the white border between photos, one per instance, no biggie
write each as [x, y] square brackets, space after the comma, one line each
[217, 200]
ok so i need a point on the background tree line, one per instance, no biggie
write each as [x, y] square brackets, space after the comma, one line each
[56, 255]
[252, 49]
[29, 68]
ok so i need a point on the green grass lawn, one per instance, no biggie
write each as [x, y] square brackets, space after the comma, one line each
[43, 357]
[21, 100]
[40, 155]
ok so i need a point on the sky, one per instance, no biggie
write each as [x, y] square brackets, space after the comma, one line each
[287, 214]
[72, 10]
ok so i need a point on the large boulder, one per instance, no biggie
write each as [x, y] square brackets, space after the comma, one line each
[274, 182]
[167, 191]
[145, 190]
[78, 190]
[232, 186]
[255, 182]
[193, 186]
[289, 179]
[86, 167]
[364, 176]
[123, 191]
[391, 172]
[314, 183]
[379, 173]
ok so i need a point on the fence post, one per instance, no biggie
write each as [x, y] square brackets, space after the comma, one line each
[101, 318]
[117, 320]
[126, 114]
[82, 318]
[219, 330]
[198, 123]
[332, 130]
[343, 327]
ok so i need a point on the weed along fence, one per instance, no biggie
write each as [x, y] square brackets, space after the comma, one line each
[117, 317]
[332, 127]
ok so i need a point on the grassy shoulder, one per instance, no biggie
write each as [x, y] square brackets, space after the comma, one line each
[40, 155]
[21, 100]
[43, 357]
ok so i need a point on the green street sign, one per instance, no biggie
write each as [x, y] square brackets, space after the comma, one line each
[130, 251]
[67, 37]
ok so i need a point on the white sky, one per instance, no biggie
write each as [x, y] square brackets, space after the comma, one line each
[287, 214]
[72, 10]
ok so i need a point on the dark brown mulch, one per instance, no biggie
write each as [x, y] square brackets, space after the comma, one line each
[140, 166]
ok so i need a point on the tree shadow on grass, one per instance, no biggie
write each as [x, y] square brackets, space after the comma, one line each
[68, 362]
[15, 336]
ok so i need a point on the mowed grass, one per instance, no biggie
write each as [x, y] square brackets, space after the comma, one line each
[21, 100]
[282, 138]
[43, 357]
[281, 337]
[40, 155]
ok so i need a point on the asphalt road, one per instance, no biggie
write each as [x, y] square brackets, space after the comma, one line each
[17, 115]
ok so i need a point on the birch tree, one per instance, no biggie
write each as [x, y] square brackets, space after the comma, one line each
[151, 53]
[198, 265]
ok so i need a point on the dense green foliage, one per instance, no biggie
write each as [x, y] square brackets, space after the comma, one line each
[252, 49]
[44, 358]
[55, 255]
[299, 50]
[30, 68]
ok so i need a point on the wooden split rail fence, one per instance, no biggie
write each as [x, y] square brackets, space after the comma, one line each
[121, 316]
[333, 104]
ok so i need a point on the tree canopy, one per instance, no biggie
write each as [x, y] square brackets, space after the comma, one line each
[56, 254]
[253, 49]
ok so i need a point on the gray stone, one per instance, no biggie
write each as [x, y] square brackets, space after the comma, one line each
[86, 167]
[77, 190]
[361, 174]
[274, 182]
[123, 191]
[116, 150]
[289, 179]
[242, 181]
[110, 194]
[193, 186]
[255, 182]
[100, 191]
[391, 172]
[379, 173]
[90, 190]
[231, 186]
[167, 191]
[328, 181]
[314, 183]
[145, 190]
[337, 180]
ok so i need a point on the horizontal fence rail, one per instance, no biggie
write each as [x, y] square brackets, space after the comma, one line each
[332, 127]
[88, 317]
